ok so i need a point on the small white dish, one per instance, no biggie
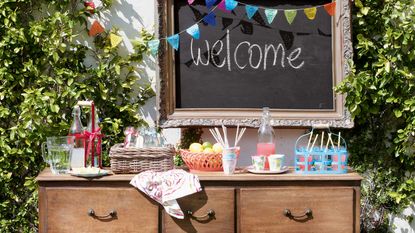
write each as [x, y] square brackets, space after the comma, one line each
[252, 170]
[89, 174]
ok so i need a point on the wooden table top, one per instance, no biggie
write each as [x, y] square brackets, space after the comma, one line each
[240, 175]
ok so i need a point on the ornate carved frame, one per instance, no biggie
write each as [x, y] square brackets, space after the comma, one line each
[171, 117]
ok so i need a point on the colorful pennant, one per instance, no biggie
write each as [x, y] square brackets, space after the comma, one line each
[194, 31]
[222, 6]
[290, 15]
[174, 41]
[310, 12]
[95, 29]
[115, 40]
[210, 19]
[210, 3]
[270, 14]
[330, 8]
[251, 10]
[231, 4]
[153, 45]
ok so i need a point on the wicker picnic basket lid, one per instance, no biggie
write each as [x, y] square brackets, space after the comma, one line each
[135, 160]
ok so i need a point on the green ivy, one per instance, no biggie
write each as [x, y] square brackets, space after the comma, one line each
[381, 97]
[43, 72]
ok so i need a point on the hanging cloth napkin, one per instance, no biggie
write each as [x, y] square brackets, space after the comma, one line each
[166, 187]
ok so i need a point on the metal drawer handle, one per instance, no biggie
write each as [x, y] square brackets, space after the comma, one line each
[111, 214]
[208, 215]
[308, 213]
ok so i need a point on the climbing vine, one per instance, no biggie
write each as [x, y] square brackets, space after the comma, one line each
[47, 63]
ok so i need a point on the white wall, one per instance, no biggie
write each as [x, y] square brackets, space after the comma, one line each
[131, 15]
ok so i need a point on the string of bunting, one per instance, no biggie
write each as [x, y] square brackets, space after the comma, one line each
[96, 27]
[228, 6]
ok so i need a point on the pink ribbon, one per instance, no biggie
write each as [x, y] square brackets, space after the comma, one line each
[91, 137]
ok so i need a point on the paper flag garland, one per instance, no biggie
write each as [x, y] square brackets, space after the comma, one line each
[174, 41]
[310, 12]
[222, 6]
[210, 19]
[153, 45]
[194, 31]
[190, 1]
[115, 40]
[95, 29]
[230, 4]
[290, 15]
[210, 3]
[251, 10]
[330, 8]
[270, 14]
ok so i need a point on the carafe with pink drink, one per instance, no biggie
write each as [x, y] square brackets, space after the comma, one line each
[266, 137]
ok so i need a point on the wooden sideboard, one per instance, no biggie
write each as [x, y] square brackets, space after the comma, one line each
[242, 202]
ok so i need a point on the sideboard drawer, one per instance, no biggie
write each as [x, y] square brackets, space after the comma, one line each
[67, 210]
[219, 200]
[262, 210]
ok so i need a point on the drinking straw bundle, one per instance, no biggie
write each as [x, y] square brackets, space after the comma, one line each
[329, 141]
[224, 140]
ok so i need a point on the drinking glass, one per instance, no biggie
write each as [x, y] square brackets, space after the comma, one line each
[59, 153]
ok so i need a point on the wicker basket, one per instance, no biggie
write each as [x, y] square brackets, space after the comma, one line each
[202, 161]
[136, 160]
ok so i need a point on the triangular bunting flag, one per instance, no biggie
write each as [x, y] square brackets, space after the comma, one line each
[210, 3]
[230, 4]
[330, 8]
[251, 10]
[153, 45]
[222, 6]
[174, 41]
[290, 15]
[310, 12]
[95, 29]
[194, 31]
[210, 19]
[190, 1]
[270, 14]
[115, 40]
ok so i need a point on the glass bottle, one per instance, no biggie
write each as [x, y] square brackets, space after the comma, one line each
[94, 156]
[266, 137]
[76, 130]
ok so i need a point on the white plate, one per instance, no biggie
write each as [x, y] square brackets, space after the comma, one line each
[252, 170]
[101, 172]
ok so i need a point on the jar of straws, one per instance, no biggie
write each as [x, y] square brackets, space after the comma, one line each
[321, 153]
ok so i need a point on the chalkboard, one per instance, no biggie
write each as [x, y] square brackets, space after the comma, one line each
[249, 63]
[242, 64]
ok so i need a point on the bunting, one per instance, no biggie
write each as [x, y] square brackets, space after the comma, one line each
[290, 15]
[270, 14]
[310, 12]
[194, 31]
[231, 4]
[210, 19]
[95, 29]
[222, 6]
[210, 3]
[153, 45]
[251, 10]
[226, 6]
[115, 40]
[330, 8]
[174, 41]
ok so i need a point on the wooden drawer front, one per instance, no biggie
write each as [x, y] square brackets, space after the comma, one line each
[220, 200]
[67, 210]
[262, 210]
